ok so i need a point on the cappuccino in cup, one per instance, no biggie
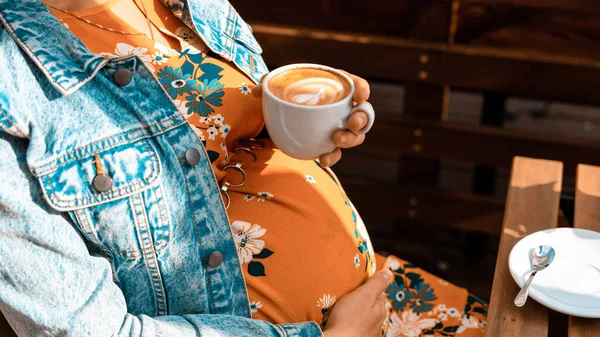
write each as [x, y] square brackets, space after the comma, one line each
[305, 104]
[309, 86]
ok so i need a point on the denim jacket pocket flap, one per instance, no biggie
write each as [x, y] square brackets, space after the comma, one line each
[131, 168]
[243, 34]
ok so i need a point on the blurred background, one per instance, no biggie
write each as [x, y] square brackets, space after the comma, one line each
[460, 88]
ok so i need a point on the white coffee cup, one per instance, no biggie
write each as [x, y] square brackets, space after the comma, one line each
[305, 131]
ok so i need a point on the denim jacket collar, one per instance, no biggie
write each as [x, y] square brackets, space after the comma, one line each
[62, 57]
[68, 64]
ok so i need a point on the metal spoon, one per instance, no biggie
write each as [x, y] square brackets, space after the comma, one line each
[541, 258]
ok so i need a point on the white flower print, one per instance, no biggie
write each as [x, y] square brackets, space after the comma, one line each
[159, 58]
[212, 132]
[310, 179]
[454, 312]
[362, 229]
[326, 302]
[244, 89]
[393, 264]
[441, 307]
[254, 306]
[246, 237]
[356, 261]
[262, 196]
[444, 283]
[443, 317]
[409, 325]
[203, 120]
[123, 49]
[225, 130]
[217, 119]
[223, 147]
[249, 197]
[467, 323]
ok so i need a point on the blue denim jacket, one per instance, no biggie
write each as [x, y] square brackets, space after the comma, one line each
[132, 260]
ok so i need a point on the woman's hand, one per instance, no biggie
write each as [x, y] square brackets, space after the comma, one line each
[360, 313]
[358, 120]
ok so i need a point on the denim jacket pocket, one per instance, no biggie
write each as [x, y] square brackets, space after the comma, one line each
[131, 217]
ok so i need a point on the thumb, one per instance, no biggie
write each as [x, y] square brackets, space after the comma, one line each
[257, 90]
[377, 284]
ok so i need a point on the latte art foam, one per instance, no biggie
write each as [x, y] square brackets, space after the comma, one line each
[309, 86]
[314, 91]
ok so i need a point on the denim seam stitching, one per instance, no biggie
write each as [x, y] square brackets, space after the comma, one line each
[282, 330]
[133, 201]
[116, 193]
[149, 256]
[13, 124]
[233, 26]
[159, 286]
[85, 225]
[165, 219]
[112, 145]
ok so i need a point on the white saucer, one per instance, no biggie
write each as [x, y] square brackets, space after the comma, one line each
[571, 284]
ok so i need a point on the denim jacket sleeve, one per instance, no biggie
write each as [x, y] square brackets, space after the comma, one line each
[52, 285]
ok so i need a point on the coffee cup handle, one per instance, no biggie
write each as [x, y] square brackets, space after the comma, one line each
[367, 109]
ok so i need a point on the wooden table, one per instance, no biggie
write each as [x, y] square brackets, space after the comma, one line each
[532, 204]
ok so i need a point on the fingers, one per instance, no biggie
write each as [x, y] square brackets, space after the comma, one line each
[257, 90]
[346, 139]
[329, 159]
[358, 121]
[377, 284]
[380, 303]
[380, 306]
[362, 90]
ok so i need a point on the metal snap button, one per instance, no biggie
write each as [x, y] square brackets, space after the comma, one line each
[192, 156]
[215, 259]
[102, 183]
[122, 77]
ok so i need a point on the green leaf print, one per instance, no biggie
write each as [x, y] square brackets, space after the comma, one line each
[210, 72]
[415, 279]
[256, 269]
[451, 328]
[263, 254]
[187, 67]
[212, 155]
[196, 58]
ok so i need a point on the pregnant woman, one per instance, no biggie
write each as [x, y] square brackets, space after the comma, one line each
[135, 202]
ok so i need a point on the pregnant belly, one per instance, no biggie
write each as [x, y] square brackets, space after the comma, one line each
[301, 243]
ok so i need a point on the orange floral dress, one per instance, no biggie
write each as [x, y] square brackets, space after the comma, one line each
[300, 240]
